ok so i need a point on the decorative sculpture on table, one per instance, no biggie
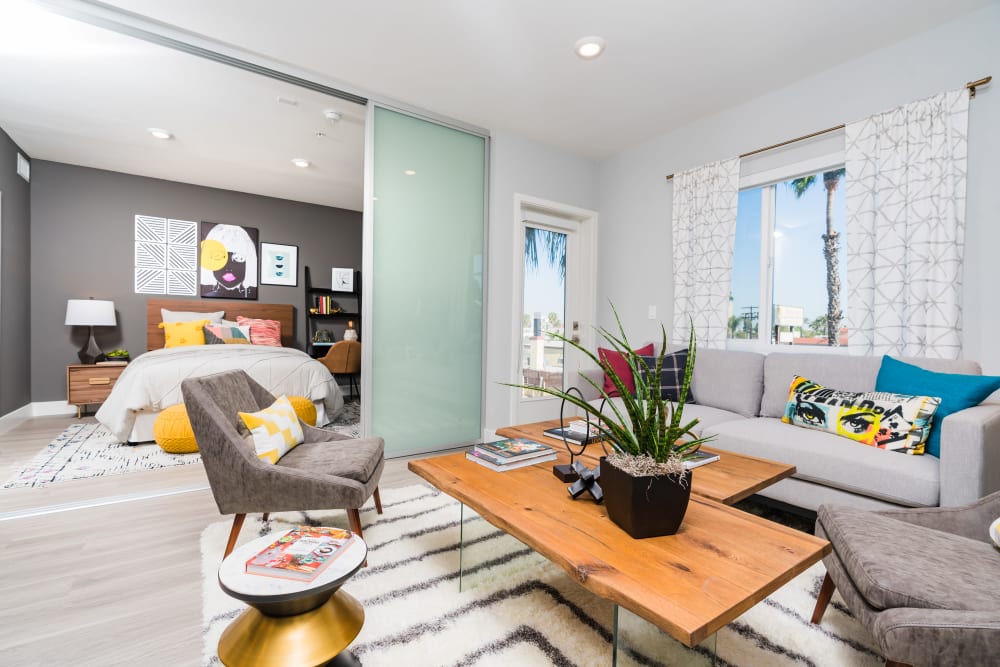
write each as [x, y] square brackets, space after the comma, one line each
[584, 479]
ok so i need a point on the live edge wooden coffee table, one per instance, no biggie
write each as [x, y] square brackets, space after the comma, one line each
[721, 562]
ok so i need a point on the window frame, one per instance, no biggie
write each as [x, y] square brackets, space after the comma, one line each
[768, 181]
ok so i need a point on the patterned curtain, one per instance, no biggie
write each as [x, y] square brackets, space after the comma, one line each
[905, 194]
[704, 233]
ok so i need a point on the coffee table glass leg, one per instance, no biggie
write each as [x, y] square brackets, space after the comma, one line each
[461, 542]
[637, 641]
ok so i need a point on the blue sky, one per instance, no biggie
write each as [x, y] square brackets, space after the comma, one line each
[544, 291]
[799, 267]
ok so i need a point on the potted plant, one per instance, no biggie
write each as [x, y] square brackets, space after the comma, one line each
[646, 486]
[117, 355]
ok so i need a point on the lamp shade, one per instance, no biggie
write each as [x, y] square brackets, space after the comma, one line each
[90, 313]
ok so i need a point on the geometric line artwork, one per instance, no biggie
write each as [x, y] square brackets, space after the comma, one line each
[150, 255]
[182, 233]
[150, 281]
[148, 228]
[182, 258]
[162, 243]
[182, 283]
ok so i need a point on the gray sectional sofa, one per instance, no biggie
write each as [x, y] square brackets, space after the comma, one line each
[740, 397]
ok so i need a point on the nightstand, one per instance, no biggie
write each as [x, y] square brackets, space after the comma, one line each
[87, 384]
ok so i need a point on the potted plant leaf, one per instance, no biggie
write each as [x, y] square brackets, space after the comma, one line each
[646, 486]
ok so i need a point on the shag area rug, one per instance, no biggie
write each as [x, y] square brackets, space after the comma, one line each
[89, 450]
[348, 420]
[516, 608]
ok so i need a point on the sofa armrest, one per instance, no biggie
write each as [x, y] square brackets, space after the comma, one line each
[588, 390]
[970, 454]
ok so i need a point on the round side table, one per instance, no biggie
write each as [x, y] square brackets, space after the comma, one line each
[291, 623]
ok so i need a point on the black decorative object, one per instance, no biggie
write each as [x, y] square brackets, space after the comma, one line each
[645, 506]
[568, 473]
[587, 482]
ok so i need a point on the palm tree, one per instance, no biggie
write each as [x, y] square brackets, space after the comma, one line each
[555, 248]
[831, 248]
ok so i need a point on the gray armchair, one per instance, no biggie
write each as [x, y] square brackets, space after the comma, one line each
[327, 471]
[925, 582]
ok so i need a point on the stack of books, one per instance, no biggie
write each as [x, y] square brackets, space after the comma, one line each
[576, 432]
[510, 453]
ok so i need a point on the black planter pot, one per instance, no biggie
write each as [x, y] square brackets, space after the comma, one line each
[645, 506]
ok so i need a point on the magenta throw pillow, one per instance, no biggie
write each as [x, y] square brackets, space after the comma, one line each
[618, 363]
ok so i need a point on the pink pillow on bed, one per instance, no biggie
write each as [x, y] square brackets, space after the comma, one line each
[262, 332]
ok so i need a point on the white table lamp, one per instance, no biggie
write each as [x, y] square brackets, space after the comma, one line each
[90, 313]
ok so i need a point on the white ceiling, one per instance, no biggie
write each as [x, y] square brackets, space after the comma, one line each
[498, 64]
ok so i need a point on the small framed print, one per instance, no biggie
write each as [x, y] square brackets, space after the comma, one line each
[343, 280]
[279, 264]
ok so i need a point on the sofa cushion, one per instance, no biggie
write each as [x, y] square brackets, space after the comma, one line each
[898, 564]
[730, 380]
[621, 368]
[957, 391]
[895, 422]
[706, 415]
[671, 374]
[826, 459]
[842, 371]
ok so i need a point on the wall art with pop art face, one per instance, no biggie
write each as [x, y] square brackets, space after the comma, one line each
[228, 261]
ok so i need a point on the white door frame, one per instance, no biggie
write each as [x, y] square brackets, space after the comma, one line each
[586, 281]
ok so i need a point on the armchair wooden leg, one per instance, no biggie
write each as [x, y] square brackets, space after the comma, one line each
[266, 514]
[354, 517]
[893, 663]
[378, 501]
[234, 533]
[825, 593]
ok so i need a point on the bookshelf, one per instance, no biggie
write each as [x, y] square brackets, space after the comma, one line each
[325, 300]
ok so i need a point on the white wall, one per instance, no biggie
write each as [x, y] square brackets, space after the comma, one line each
[520, 166]
[635, 199]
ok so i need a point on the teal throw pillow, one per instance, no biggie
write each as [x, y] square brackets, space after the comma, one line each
[957, 391]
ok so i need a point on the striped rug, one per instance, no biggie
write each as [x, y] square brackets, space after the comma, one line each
[516, 608]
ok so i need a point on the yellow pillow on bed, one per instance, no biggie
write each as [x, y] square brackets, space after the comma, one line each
[179, 334]
[275, 429]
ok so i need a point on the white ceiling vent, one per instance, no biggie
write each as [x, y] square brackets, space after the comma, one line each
[23, 167]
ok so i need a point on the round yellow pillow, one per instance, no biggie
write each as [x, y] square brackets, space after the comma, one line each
[304, 408]
[172, 431]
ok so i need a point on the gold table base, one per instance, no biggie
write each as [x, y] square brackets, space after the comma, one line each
[312, 638]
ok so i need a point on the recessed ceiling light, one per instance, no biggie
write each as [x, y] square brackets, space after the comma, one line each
[300, 162]
[589, 48]
[159, 133]
[332, 115]
[410, 172]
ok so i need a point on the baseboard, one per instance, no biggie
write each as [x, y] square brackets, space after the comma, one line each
[52, 409]
[15, 417]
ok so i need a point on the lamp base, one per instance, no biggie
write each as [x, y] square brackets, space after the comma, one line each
[91, 353]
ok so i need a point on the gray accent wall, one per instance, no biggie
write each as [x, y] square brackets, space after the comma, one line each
[82, 240]
[15, 297]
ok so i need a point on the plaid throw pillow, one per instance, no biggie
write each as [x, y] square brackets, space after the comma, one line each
[672, 375]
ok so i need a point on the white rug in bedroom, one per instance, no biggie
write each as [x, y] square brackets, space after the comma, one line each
[517, 608]
[89, 450]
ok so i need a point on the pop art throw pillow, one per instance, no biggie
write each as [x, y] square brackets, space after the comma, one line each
[895, 422]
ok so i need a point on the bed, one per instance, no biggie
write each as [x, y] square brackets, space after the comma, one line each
[152, 381]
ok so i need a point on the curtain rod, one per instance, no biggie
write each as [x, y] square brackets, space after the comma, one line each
[971, 85]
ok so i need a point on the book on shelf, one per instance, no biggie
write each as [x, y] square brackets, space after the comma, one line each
[477, 457]
[514, 449]
[301, 553]
[576, 432]
[699, 458]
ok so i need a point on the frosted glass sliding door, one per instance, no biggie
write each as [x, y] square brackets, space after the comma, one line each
[427, 283]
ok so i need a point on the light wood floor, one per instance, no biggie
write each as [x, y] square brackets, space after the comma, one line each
[131, 594]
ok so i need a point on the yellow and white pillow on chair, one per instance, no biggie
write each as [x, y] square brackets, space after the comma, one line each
[275, 430]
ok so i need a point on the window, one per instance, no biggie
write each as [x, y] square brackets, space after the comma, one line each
[789, 273]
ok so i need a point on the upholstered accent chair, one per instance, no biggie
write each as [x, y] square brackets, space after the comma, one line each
[344, 358]
[925, 582]
[326, 471]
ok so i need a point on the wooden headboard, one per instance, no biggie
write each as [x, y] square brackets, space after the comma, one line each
[284, 313]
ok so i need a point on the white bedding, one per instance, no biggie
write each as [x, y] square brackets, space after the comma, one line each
[152, 381]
